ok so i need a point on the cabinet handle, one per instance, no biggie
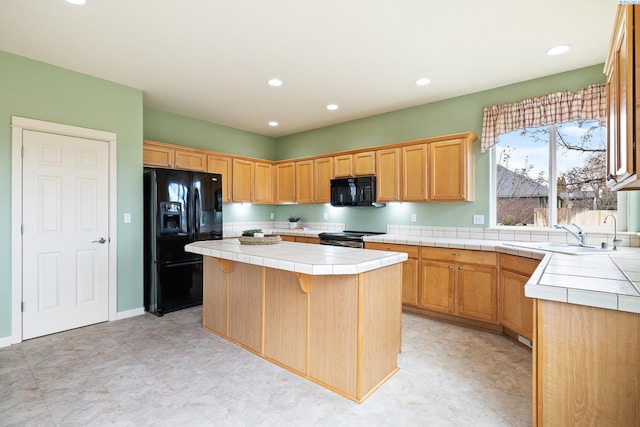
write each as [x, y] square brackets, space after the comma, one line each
[455, 254]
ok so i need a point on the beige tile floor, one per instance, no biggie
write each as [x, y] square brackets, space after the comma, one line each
[167, 371]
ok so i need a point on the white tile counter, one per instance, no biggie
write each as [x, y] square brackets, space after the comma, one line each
[610, 280]
[299, 257]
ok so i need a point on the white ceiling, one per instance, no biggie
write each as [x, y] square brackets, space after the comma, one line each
[211, 59]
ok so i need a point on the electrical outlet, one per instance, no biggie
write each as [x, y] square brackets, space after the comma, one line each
[414, 217]
[325, 216]
[478, 219]
[271, 215]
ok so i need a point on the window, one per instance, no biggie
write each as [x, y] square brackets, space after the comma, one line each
[553, 175]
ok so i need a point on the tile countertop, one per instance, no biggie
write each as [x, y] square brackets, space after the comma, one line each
[299, 257]
[610, 280]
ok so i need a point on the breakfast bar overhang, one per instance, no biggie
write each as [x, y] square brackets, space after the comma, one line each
[330, 314]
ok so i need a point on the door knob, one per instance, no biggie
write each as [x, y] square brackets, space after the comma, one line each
[101, 241]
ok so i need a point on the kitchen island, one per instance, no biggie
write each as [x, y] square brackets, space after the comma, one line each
[329, 314]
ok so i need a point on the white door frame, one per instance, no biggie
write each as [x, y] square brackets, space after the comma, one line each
[18, 125]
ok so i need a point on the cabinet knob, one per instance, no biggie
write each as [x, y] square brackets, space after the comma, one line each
[450, 267]
[460, 268]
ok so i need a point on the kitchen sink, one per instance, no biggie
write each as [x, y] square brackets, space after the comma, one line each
[564, 248]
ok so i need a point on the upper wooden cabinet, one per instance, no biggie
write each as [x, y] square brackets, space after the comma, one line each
[304, 181]
[414, 175]
[286, 182]
[364, 163]
[450, 170]
[223, 166]
[623, 155]
[357, 164]
[343, 166]
[388, 169]
[243, 179]
[322, 175]
[190, 160]
[264, 183]
[158, 155]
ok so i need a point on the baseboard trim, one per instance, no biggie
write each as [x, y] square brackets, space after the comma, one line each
[6, 342]
[129, 313]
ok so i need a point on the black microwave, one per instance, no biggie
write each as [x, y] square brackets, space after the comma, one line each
[360, 191]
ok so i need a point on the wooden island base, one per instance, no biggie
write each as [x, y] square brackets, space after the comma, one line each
[340, 331]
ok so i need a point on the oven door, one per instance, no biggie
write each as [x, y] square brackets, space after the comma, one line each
[343, 243]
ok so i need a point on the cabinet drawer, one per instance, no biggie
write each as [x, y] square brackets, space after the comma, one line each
[460, 255]
[411, 250]
[518, 264]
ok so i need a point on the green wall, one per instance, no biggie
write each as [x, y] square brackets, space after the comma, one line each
[172, 128]
[452, 115]
[40, 91]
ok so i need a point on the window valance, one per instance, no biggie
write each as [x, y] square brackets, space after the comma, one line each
[587, 104]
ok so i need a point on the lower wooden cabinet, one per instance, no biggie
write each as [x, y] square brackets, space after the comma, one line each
[460, 282]
[516, 310]
[410, 268]
[585, 366]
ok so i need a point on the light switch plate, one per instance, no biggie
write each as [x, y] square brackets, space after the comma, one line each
[127, 218]
[478, 219]
[414, 217]
[271, 215]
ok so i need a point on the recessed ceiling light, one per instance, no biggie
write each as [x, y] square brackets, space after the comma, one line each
[79, 2]
[274, 124]
[423, 81]
[332, 107]
[559, 50]
[275, 82]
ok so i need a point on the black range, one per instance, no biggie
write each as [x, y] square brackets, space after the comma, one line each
[348, 238]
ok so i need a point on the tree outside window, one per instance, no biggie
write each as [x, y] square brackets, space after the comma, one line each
[565, 163]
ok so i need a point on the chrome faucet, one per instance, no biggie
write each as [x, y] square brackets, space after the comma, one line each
[579, 235]
[616, 241]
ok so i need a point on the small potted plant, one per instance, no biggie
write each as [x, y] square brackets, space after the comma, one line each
[293, 221]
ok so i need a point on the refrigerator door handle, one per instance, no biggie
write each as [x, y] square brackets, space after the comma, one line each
[198, 213]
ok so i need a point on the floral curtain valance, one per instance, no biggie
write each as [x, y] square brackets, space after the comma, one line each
[560, 107]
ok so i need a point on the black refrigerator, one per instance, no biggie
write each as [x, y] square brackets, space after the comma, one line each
[180, 207]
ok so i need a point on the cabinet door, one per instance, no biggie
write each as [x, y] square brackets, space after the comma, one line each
[223, 166]
[364, 163]
[410, 268]
[158, 156]
[286, 182]
[516, 310]
[342, 166]
[414, 174]
[620, 123]
[323, 173]
[263, 183]
[437, 286]
[191, 160]
[388, 175]
[304, 181]
[477, 292]
[243, 172]
[448, 170]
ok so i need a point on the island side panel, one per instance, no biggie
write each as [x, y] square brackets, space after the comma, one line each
[380, 326]
[215, 296]
[333, 331]
[285, 320]
[245, 305]
[587, 365]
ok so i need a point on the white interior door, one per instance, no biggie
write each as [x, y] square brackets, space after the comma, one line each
[65, 217]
